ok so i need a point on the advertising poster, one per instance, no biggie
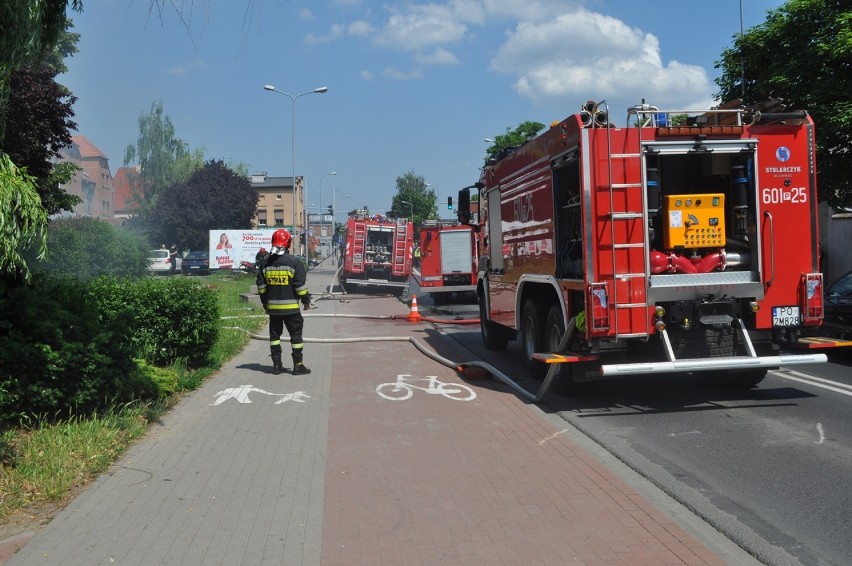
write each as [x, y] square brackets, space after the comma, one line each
[230, 247]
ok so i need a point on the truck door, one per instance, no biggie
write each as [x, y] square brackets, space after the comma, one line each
[501, 290]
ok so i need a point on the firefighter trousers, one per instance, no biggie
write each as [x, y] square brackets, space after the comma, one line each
[294, 324]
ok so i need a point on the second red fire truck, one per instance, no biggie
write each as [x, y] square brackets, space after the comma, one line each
[655, 247]
[448, 259]
[377, 252]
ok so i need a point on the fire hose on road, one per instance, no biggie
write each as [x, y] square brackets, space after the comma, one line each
[474, 369]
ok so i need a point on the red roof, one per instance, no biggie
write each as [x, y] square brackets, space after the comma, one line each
[122, 192]
[87, 148]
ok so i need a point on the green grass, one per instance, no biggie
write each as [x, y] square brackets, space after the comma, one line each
[46, 459]
[50, 461]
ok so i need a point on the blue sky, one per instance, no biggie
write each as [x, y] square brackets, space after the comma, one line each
[412, 86]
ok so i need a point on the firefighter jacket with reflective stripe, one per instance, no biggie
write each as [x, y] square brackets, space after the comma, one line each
[281, 282]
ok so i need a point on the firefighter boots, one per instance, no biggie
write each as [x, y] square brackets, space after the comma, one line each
[298, 366]
[277, 366]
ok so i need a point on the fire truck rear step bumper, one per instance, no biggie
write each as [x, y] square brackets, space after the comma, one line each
[376, 282]
[738, 363]
[448, 289]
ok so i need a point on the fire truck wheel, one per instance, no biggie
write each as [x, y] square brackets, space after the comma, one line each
[532, 337]
[494, 336]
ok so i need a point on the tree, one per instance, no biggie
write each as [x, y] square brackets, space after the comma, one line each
[513, 138]
[29, 32]
[164, 159]
[87, 247]
[802, 53]
[214, 197]
[413, 196]
[23, 220]
[39, 112]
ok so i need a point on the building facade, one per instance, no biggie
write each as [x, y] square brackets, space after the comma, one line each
[94, 184]
[275, 205]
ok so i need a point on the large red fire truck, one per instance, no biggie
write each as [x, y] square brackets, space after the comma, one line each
[377, 252]
[448, 259]
[656, 247]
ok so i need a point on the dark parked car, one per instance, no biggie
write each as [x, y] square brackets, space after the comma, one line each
[196, 263]
[838, 309]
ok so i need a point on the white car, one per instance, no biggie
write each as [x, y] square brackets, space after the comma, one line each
[160, 264]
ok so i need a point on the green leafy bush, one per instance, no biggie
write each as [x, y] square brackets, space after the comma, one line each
[173, 318]
[87, 247]
[57, 355]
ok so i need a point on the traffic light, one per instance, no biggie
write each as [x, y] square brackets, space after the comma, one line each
[449, 203]
[330, 209]
[302, 238]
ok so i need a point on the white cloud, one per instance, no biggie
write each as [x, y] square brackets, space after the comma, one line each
[361, 28]
[557, 50]
[420, 26]
[438, 56]
[335, 32]
[582, 53]
[306, 14]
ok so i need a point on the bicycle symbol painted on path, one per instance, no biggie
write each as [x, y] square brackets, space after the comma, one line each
[403, 389]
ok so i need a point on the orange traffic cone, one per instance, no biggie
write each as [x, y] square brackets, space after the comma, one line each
[414, 315]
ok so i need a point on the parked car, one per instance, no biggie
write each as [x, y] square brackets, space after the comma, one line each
[838, 309]
[196, 263]
[160, 264]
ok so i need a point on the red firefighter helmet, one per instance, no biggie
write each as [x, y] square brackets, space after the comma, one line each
[281, 238]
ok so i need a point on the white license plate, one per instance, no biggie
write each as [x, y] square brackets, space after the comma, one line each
[786, 316]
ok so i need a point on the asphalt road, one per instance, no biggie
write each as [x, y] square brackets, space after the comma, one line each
[770, 467]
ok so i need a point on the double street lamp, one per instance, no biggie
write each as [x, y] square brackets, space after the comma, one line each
[319, 90]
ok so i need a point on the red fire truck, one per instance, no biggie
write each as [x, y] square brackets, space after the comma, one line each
[653, 247]
[448, 258]
[377, 252]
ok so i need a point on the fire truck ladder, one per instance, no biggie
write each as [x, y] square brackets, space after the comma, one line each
[630, 292]
[358, 251]
[399, 249]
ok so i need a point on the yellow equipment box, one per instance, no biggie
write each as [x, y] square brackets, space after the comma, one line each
[694, 221]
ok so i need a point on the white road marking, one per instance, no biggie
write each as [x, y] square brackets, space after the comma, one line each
[552, 436]
[821, 434]
[815, 381]
[241, 395]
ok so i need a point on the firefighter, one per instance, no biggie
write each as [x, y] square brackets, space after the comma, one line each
[258, 259]
[281, 284]
[416, 255]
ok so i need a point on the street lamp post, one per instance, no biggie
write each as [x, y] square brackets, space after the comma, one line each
[320, 202]
[334, 194]
[411, 217]
[319, 90]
